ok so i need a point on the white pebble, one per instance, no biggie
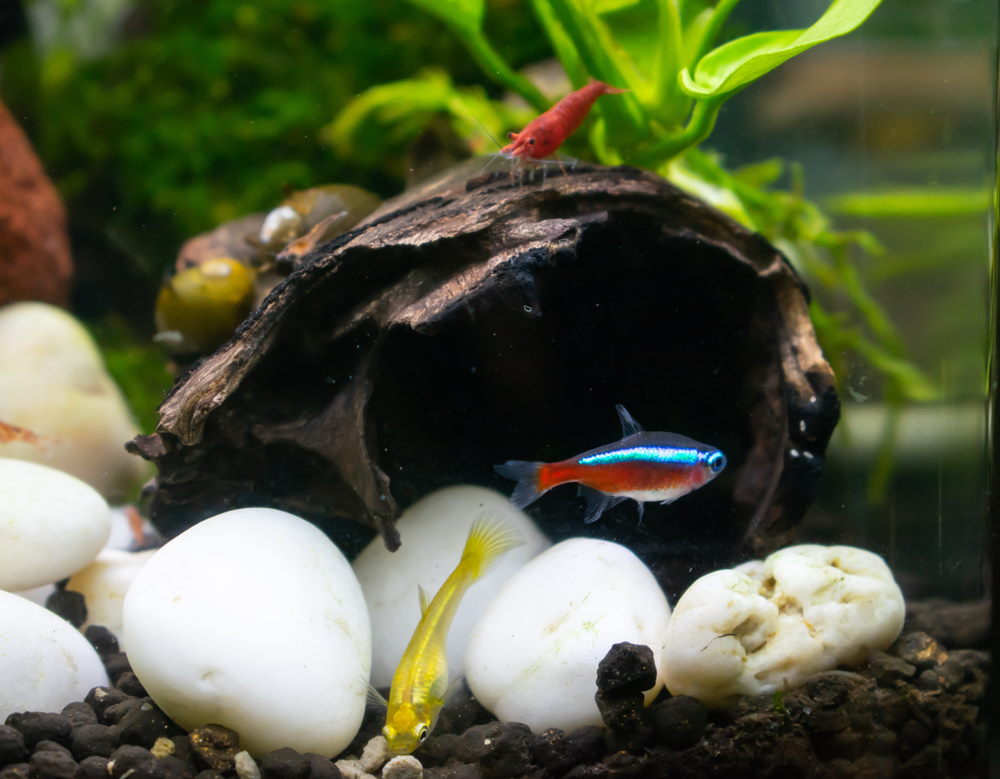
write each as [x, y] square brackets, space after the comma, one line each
[770, 625]
[53, 383]
[103, 585]
[247, 620]
[44, 661]
[403, 767]
[534, 653]
[375, 754]
[37, 595]
[246, 766]
[51, 524]
[433, 532]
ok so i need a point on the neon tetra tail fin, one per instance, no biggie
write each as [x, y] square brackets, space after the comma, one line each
[526, 475]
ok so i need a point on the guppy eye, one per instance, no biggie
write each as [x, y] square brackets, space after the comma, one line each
[531, 141]
[422, 733]
[716, 461]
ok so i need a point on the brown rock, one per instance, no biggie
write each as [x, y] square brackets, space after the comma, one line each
[35, 263]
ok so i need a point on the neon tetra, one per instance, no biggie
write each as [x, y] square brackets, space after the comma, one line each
[642, 466]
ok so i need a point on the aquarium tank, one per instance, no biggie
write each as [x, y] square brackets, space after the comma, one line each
[497, 388]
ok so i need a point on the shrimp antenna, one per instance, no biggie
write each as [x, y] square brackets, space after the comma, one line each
[485, 130]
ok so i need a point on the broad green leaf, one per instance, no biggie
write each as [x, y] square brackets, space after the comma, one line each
[466, 15]
[390, 115]
[735, 64]
[761, 174]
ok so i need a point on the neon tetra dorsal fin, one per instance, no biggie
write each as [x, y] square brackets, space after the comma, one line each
[424, 600]
[629, 425]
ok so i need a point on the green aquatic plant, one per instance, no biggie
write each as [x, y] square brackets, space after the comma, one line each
[664, 53]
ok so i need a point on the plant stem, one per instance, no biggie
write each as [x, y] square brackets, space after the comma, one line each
[496, 68]
[699, 127]
[719, 16]
[669, 108]
[626, 118]
[561, 42]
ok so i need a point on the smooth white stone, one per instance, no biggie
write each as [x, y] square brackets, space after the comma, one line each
[253, 620]
[37, 594]
[122, 538]
[770, 625]
[51, 524]
[53, 383]
[104, 584]
[44, 661]
[533, 655]
[433, 532]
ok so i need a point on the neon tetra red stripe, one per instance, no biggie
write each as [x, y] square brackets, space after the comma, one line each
[546, 133]
[642, 466]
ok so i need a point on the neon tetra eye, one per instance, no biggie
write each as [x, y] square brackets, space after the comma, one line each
[716, 461]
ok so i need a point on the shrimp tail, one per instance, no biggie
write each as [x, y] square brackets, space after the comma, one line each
[489, 537]
[606, 89]
[526, 475]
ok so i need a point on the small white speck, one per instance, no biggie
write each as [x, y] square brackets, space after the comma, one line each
[812, 398]
[793, 452]
[807, 455]
[487, 742]
[802, 426]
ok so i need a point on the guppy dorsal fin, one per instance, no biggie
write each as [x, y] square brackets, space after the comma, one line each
[424, 600]
[629, 425]
[375, 699]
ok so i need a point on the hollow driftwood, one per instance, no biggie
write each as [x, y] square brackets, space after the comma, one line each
[502, 317]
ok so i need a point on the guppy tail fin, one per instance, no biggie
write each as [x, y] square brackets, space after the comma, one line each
[526, 476]
[489, 537]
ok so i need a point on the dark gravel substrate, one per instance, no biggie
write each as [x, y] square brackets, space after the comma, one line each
[914, 711]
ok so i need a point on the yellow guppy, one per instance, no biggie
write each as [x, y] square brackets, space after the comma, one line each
[420, 684]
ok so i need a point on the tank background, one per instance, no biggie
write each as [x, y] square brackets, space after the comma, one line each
[907, 101]
[904, 101]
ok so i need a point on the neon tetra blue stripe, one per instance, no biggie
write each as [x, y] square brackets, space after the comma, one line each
[668, 455]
